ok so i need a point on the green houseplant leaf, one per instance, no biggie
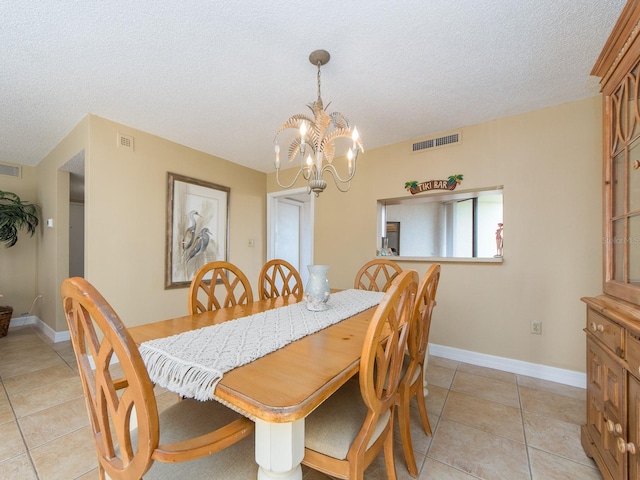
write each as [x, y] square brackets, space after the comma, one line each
[16, 215]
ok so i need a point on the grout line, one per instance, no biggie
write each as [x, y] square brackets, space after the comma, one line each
[524, 430]
[434, 430]
[423, 474]
[27, 450]
[520, 408]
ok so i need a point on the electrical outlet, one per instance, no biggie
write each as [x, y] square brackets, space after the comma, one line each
[536, 327]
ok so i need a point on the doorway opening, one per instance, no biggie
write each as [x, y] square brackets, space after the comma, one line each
[290, 228]
[76, 168]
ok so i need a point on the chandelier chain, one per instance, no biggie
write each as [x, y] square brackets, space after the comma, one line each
[319, 78]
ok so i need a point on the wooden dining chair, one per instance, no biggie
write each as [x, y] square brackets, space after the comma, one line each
[412, 384]
[377, 275]
[190, 439]
[218, 278]
[348, 430]
[279, 278]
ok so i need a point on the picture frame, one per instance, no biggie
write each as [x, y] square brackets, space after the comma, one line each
[197, 227]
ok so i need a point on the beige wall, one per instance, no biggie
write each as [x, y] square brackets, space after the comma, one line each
[18, 263]
[549, 162]
[125, 222]
[125, 202]
[53, 196]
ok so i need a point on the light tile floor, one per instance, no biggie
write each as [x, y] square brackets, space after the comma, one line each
[487, 424]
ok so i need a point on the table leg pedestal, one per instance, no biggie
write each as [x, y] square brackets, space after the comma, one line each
[279, 450]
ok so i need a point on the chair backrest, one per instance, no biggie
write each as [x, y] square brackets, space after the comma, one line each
[114, 404]
[278, 278]
[377, 275]
[384, 347]
[222, 278]
[422, 310]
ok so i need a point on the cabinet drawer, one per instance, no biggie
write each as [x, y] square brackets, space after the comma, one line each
[633, 353]
[608, 332]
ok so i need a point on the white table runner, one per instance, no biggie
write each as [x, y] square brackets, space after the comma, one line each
[192, 363]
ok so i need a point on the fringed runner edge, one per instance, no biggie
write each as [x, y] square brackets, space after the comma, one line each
[186, 379]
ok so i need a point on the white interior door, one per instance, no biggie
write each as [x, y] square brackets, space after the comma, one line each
[290, 228]
[287, 238]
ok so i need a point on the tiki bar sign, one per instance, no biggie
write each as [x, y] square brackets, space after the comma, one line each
[449, 184]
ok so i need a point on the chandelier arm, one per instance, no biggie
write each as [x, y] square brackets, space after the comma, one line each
[336, 176]
[347, 182]
[304, 171]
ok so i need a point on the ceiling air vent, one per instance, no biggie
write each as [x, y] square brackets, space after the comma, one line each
[125, 141]
[431, 143]
[10, 170]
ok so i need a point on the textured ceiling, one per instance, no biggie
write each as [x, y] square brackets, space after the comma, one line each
[221, 76]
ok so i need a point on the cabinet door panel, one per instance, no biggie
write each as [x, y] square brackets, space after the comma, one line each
[605, 391]
[595, 395]
[622, 189]
[634, 428]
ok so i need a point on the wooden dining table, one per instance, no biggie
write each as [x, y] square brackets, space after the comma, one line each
[281, 388]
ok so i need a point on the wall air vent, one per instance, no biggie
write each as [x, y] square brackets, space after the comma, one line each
[444, 141]
[125, 141]
[10, 170]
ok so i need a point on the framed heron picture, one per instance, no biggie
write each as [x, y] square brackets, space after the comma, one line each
[197, 227]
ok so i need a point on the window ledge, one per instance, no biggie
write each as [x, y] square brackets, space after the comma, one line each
[443, 259]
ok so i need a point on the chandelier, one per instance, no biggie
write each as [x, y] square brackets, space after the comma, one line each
[315, 144]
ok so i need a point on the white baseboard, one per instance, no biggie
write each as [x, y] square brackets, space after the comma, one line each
[20, 321]
[535, 370]
[54, 336]
[544, 372]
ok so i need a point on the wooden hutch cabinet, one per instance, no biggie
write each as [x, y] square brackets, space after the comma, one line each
[612, 432]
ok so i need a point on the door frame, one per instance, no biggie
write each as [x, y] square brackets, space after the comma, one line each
[299, 194]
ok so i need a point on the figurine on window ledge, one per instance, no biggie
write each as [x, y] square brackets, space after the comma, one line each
[499, 241]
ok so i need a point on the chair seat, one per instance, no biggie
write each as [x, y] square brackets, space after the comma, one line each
[190, 418]
[333, 426]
